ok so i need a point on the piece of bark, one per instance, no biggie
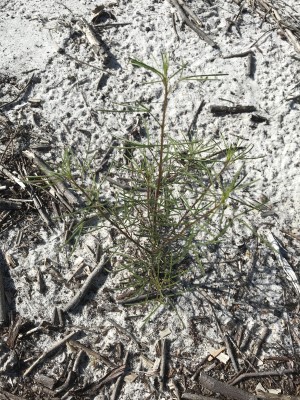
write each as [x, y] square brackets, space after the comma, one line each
[192, 396]
[13, 332]
[45, 380]
[264, 333]
[223, 110]
[216, 386]
[259, 118]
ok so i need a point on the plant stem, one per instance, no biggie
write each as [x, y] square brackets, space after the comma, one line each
[161, 151]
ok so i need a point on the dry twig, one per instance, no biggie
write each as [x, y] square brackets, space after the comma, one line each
[3, 315]
[191, 20]
[92, 353]
[119, 382]
[22, 91]
[248, 375]
[222, 110]
[87, 284]
[49, 352]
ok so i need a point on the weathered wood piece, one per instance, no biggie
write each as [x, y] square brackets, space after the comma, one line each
[4, 395]
[87, 284]
[92, 37]
[191, 20]
[264, 333]
[13, 332]
[216, 386]
[45, 380]
[237, 55]
[192, 396]
[12, 177]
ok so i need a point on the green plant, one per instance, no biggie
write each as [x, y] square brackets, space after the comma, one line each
[181, 197]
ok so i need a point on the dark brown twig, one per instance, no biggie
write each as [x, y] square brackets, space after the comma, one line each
[248, 375]
[163, 363]
[250, 65]
[194, 121]
[223, 110]
[3, 313]
[174, 26]
[22, 91]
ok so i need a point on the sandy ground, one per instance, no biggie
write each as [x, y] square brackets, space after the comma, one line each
[71, 84]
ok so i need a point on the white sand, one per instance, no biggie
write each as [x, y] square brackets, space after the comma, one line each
[31, 33]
